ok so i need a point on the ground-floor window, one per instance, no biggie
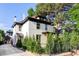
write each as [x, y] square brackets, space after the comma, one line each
[38, 38]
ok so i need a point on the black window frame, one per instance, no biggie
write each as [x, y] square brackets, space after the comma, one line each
[38, 25]
[38, 38]
[20, 28]
[46, 28]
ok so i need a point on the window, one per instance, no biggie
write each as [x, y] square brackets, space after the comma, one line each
[38, 38]
[19, 28]
[38, 25]
[45, 26]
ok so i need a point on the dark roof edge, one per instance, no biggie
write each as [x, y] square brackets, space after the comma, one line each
[20, 22]
[31, 19]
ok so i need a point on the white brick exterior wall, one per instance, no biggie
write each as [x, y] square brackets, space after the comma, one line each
[25, 29]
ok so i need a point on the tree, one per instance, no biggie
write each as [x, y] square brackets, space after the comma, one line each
[74, 13]
[56, 8]
[31, 12]
[44, 9]
[59, 18]
[2, 35]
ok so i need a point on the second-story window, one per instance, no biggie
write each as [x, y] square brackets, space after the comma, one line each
[45, 26]
[19, 28]
[38, 25]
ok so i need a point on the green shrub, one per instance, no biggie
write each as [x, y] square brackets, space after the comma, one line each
[55, 43]
[32, 45]
[19, 43]
[37, 47]
[24, 43]
[50, 44]
[29, 44]
[2, 35]
[74, 42]
[65, 41]
[1, 42]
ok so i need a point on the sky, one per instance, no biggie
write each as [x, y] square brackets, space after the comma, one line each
[9, 10]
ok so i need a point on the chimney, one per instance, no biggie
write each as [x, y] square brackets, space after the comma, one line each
[14, 18]
[34, 16]
[23, 16]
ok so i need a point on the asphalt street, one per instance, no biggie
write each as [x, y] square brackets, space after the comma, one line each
[7, 49]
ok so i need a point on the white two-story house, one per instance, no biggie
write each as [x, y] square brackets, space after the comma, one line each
[37, 27]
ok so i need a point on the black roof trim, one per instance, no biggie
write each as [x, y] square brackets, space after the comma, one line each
[39, 20]
[31, 19]
[16, 23]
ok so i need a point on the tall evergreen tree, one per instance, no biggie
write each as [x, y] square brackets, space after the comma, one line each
[44, 9]
[31, 12]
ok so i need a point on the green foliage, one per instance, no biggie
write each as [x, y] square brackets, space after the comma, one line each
[59, 17]
[32, 45]
[65, 39]
[50, 44]
[2, 35]
[24, 43]
[57, 44]
[74, 13]
[63, 42]
[45, 8]
[74, 42]
[19, 43]
[31, 12]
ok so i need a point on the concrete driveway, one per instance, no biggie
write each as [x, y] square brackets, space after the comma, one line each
[7, 49]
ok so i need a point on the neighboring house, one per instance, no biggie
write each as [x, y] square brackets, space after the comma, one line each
[8, 36]
[9, 32]
[37, 27]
